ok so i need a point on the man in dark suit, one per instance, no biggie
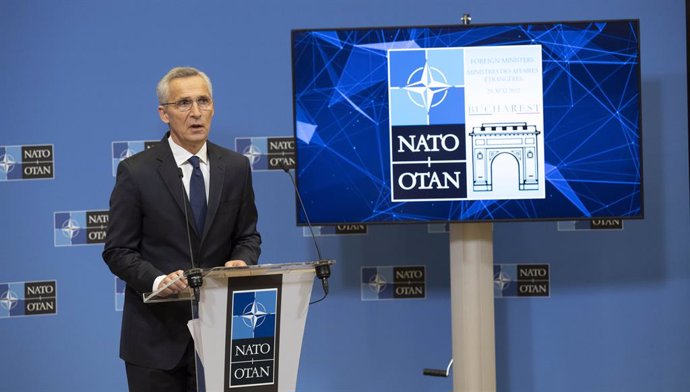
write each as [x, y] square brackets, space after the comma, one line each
[146, 243]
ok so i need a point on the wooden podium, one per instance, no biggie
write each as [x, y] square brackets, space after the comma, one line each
[248, 334]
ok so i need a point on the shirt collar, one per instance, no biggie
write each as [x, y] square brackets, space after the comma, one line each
[181, 155]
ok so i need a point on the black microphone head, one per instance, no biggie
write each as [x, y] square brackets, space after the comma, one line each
[179, 172]
[194, 277]
[323, 270]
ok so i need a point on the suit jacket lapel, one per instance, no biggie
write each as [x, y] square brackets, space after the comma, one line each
[170, 174]
[217, 173]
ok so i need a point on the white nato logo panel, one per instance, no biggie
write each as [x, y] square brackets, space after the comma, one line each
[393, 282]
[73, 228]
[27, 162]
[521, 280]
[267, 153]
[466, 123]
[31, 298]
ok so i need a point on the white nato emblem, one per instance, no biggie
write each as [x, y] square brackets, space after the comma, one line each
[377, 283]
[428, 82]
[254, 315]
[7, 163]
[502, 280]
[8, 299]
[253, 153]
[70, 228]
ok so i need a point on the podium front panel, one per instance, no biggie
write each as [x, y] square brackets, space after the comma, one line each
[242, 320]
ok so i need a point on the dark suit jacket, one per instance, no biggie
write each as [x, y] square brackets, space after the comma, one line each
[147, 237]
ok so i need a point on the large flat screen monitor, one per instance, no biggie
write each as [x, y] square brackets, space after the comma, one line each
[536, 121]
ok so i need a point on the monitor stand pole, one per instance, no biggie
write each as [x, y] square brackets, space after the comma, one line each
[472, 307]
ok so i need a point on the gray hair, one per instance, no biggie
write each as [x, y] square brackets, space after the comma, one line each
[163, 87]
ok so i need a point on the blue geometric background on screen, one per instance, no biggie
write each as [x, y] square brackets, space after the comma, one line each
[591, 111]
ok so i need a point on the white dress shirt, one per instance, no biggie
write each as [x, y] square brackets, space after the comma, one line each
[182, 160]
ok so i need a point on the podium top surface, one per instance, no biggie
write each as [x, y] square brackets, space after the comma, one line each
[264, 269]
[227, 272]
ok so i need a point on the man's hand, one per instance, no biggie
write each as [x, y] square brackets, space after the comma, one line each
[235, 263]
[175, 287]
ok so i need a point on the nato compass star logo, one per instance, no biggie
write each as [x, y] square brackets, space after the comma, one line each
[31, 298]
[8, 300]
[70, 228]
[7, 163]
[502, 280]
[521, 280]
[424, 86]
[377, 283]
[267, 153]
[253, 153]
[256, 149]
[393, 282]
[73, 228]
[254, 315]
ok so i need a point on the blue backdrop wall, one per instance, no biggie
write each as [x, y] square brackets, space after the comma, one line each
[80, 75]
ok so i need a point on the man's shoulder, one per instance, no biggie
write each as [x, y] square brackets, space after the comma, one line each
[146, 160]
[151, 153]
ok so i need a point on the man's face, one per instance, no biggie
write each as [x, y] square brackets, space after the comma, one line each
[188, 129]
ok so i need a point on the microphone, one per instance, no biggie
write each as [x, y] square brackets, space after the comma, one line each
[439, 372]
[193, 275]
[322, 267]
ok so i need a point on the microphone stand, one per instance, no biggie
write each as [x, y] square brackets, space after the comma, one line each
[193, 275]
[194, 281]
[322, 267]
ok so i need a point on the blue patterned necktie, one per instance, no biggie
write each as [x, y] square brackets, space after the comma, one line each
[197, 195]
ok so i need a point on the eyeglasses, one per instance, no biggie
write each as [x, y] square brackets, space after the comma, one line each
[185, 104]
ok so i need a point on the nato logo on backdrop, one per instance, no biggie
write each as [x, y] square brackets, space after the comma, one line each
[385, 283]
[73, 228]
[266, 153]
[124, 150]
[28, 162]
[35, 298]
[521, 280]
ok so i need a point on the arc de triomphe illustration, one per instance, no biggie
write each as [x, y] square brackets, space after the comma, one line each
[516, 139]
